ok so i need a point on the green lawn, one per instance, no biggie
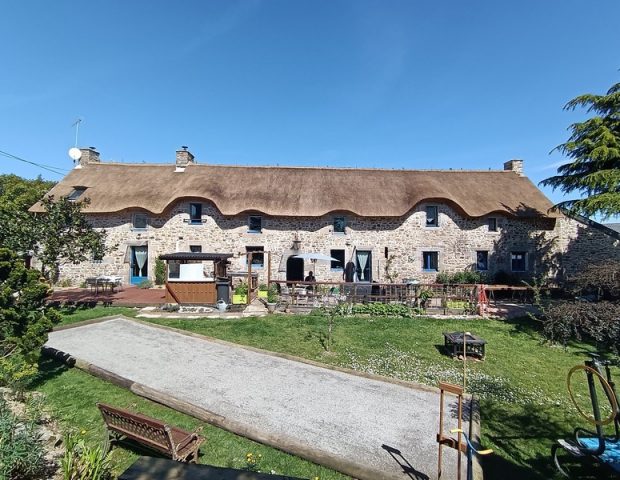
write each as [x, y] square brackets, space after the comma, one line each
[521, 384]
[80, 313]
[71, 396]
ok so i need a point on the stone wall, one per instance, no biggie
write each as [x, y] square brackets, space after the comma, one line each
[553, 247]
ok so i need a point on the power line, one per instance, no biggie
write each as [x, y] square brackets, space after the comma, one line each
[50, 168]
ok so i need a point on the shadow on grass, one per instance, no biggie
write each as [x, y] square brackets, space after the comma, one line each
[70, 307]
[48, 368]
[526, 325]
[525, 433]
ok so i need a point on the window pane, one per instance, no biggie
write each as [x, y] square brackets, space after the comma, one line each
[258, 257]
[76, 193]
[430, 261]
[482, 260]
[492, 224]
[339, 254]
[174, 269]
[255, 224]
[339, 225]
[195, 212]
[431, 216]
[517, 260]
[139, 221]
[195, 248]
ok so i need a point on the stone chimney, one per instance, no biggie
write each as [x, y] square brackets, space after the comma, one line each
[184, 157]
[515, 166]
[89, 155]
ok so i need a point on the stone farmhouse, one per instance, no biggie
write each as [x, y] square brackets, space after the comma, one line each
[392, 224]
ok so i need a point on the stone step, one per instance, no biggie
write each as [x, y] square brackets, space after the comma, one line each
[255, 308]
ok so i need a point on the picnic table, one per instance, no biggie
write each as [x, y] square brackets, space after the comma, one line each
[104, 282]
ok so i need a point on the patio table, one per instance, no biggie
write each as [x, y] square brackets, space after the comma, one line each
[103, 282]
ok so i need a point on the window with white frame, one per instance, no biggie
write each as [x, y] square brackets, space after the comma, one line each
[430, 261]
[482, 260]
[139, 221]
[195, 248]
[255, 224]
[518, 261]
[432, 216]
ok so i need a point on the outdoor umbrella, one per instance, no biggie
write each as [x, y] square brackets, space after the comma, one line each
[316, 257]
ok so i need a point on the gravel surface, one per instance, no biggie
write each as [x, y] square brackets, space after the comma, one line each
[339, 416]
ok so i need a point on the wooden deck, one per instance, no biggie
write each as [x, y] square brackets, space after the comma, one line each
[126, 297]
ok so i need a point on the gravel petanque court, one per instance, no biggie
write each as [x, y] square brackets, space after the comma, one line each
[334, 418]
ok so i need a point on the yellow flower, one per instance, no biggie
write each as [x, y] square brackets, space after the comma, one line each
[83, 432]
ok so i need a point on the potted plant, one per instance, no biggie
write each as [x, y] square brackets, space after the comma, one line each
[272, 298]
[262, 291]
[240, 295]
[425, 296]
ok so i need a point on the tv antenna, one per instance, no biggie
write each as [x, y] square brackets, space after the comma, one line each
[75, 152]
[76, 124]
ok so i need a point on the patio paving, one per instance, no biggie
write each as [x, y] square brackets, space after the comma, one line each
[366, 427]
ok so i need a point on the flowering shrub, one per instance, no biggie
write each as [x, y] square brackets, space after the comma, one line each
[252, 462]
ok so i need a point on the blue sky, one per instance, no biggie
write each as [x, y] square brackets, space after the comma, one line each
[390, 84]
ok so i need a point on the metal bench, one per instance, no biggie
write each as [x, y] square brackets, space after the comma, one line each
[173, 442]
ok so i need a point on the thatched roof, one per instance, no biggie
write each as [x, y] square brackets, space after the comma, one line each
[296, 191]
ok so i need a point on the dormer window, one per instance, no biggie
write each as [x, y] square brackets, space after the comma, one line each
[340, 225]
[76, 193]
[195, 213]
[432, 216]
[255, 224]
[140, 221]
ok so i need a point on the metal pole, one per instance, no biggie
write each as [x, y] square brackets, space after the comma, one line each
[440, 433]
[249, 259]
[458, 447]
[465, 360]
[268, 269]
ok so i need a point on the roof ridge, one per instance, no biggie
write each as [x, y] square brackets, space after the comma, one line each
[301, 167]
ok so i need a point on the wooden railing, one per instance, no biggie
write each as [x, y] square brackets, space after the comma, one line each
[461, 298]
[431, 297]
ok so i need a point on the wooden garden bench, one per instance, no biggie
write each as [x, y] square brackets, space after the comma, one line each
[173, 442]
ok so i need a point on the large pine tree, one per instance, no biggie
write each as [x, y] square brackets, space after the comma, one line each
[594, 148]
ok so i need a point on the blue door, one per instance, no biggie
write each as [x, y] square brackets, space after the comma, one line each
[139, 266]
